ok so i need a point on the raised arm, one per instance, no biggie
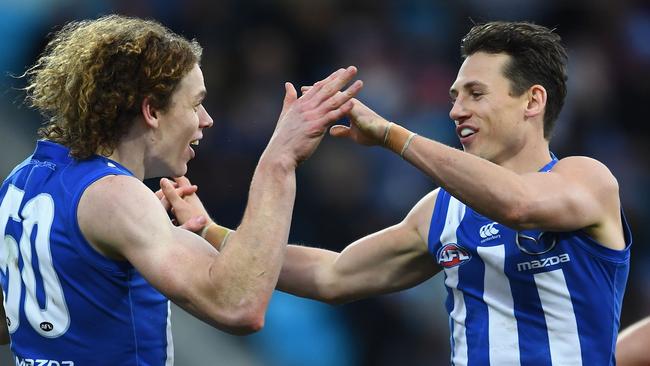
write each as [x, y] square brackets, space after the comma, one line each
[579, 193]
[390, 260]
[231, 289]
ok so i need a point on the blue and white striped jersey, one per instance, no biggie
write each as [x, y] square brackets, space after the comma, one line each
[526, 298]
[66, 304]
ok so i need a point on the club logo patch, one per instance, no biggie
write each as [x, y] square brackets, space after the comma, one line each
[452, 255]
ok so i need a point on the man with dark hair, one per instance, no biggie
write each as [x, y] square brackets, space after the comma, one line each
[535, 250]
[89, 257]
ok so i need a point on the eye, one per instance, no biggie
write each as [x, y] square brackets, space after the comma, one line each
[196, 107]
[476, 94]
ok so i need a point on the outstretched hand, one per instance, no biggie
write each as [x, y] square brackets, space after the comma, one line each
[304, 121]
[179, 197]
[366, 126]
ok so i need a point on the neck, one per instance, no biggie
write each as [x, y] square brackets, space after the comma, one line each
[530, 158]
[130, 152]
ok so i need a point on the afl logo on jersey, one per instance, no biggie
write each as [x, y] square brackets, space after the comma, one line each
[452, 255]
[46, 326]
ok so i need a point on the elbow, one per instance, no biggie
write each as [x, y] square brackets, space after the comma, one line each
[334, 294]
[239, 323]
[334, 300]
[246, 325]
[242, 322]
[517, 216]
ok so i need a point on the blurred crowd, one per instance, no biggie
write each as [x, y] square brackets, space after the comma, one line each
[407, 53]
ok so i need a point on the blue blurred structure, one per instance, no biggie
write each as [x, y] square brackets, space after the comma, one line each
[407, 53]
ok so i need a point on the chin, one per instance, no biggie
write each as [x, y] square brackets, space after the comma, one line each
[168, 171]
[180, 171]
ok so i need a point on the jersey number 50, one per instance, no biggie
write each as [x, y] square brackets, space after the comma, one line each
[52, 320]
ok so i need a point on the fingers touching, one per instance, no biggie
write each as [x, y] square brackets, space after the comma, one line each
[325, 95]
[175, 190]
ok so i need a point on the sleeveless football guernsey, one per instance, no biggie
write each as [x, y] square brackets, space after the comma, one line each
[66, 304]
[528, 297]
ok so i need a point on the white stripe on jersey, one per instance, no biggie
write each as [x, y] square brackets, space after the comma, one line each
[455, 213]
[457, 316]
[560, 318]
[502, 329]
[170, 340]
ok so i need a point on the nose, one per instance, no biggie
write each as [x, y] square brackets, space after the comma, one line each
[205, 121]
[458, 112]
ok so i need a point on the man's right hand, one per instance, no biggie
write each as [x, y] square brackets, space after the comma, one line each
[304, 121]
[181, 198]
[366, 126]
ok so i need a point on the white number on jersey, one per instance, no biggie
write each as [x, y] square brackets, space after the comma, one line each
[54, 319]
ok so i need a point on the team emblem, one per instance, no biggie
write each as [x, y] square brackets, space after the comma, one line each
[535, 244]
[452, 255]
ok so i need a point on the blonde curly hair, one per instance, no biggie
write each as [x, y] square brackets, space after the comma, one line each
[91, 79]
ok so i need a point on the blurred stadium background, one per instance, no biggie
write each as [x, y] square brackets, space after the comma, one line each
[407, 54]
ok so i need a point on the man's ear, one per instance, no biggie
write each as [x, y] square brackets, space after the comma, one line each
[149, 113]
[536, 101]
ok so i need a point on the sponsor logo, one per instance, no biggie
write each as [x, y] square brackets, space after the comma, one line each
[543, 263]
[41, 362]
[538, 244]
[452, 255]
[488, 232]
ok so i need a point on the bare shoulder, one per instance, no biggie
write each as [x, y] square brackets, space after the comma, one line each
[114, 210]
[420, 215]
[586, 169]
[116, 190]
[424, 207]
[113, 198]
[594, 184]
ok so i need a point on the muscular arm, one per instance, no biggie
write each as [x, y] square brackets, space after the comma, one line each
[632, 345]
[389, 260]
[579, 193]
[229, 290]
[392, 259]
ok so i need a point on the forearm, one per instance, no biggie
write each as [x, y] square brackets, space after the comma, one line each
[251, 262]
[389, 260]
[481, 184]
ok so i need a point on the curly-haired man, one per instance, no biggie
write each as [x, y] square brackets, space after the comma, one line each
[89, 256]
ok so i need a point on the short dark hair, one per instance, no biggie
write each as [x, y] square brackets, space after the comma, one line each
[93, 75]
[536, 57]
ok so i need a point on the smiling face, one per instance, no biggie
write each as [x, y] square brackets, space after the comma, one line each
[490, 120]
[178, 127]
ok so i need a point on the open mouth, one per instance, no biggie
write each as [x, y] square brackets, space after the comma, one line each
[194, 142]
[466, 132]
